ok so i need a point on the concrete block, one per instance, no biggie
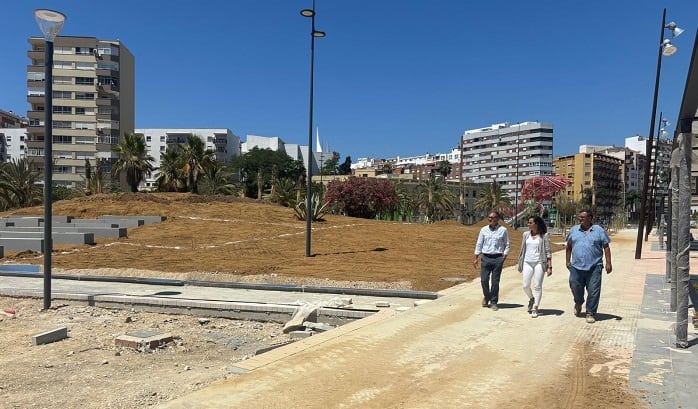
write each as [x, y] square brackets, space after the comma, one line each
[50, 336]
[382, 304]
[143, 340]
[300, 334]
[16, 244]
[318, 326]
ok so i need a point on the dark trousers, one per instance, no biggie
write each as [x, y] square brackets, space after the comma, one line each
[491, 267]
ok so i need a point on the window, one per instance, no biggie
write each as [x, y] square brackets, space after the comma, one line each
[85, 95]
[62, 124]
[63, 65]
[84, 50]
[84, 125]
[62, 139]
[61, 50]
[79, 111]
[84, 81]
[107, 50]
[108, 65]
[62, 80]
[58, 109]
[36, 76]
[147, 138]
[88, 66]
[62, 95]
[162, 138]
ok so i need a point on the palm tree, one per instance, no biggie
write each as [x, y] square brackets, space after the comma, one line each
[216, 181]
[195, 158]
[170, 171]
[435, 197]
[133, 159]
[18, 184]
[493, 198]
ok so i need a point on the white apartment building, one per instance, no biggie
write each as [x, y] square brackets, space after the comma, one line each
[508, 154]
[295, 151]
[222, 141]
[13, 144]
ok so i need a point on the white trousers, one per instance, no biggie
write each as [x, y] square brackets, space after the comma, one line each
[531, 271]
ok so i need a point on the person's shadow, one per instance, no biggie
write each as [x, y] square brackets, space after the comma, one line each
[599, 316]
[549, 311]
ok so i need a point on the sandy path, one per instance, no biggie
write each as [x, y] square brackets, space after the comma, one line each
[452, 353]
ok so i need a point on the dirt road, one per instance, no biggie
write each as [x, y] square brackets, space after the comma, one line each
[452, 353]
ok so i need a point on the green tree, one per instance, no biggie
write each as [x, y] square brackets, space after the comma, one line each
[257, 167]
[492, 197]
[133, 159]
[435, 198]
[218, 181]
[170, 172]
[286, 192]
[345, 168]
[330, 165]
[195, 158]
[443, 168]
[19, 184]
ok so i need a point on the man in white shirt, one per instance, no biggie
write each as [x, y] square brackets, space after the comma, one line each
[493, 244]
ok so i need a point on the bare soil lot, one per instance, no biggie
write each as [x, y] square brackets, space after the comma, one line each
[219, 239]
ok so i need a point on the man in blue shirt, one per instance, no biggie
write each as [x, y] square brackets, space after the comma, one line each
[586, 244]
[493, 244]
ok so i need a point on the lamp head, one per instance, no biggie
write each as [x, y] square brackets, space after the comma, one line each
[50, 22]
[318, 34]
[667, 48]
[307, 13]
[675, 31]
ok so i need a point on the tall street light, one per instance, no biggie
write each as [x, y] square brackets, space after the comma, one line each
[50, 22]
[667, 49]
[516, 189]
[308, 199]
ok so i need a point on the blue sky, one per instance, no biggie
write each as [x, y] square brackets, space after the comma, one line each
[392, 77]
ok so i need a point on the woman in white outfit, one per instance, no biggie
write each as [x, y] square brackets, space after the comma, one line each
[534, 261]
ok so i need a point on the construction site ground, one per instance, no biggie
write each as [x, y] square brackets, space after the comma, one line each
[444, 353]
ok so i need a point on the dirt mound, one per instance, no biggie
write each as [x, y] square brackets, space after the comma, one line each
[222, 237]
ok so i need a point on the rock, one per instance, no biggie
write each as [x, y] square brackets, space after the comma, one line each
[204, 321]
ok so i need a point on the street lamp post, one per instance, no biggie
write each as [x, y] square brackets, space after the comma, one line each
[50, 22]
[516, 189]
[308, 199]
[665, 48]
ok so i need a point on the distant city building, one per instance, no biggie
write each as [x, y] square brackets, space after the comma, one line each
[9, 119]
[659, 186]
[13, 144]
[508, 154]
[295, 151]
[594, 174]
[93, 103]
[220, 140]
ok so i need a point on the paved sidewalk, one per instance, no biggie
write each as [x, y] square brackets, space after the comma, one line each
[667, 376]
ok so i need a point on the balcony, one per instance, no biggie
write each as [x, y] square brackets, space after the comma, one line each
[36, 54]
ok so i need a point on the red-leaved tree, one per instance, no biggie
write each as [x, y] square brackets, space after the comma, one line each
[362, 197]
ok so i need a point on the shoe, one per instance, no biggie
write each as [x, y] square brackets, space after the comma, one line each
[530, 304]
[485, 302]
[534, 313]
[590, 318]
[494, 307]
[577, 310]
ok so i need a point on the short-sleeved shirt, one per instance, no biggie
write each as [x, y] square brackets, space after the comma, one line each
[492, 241]
[587, 247]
